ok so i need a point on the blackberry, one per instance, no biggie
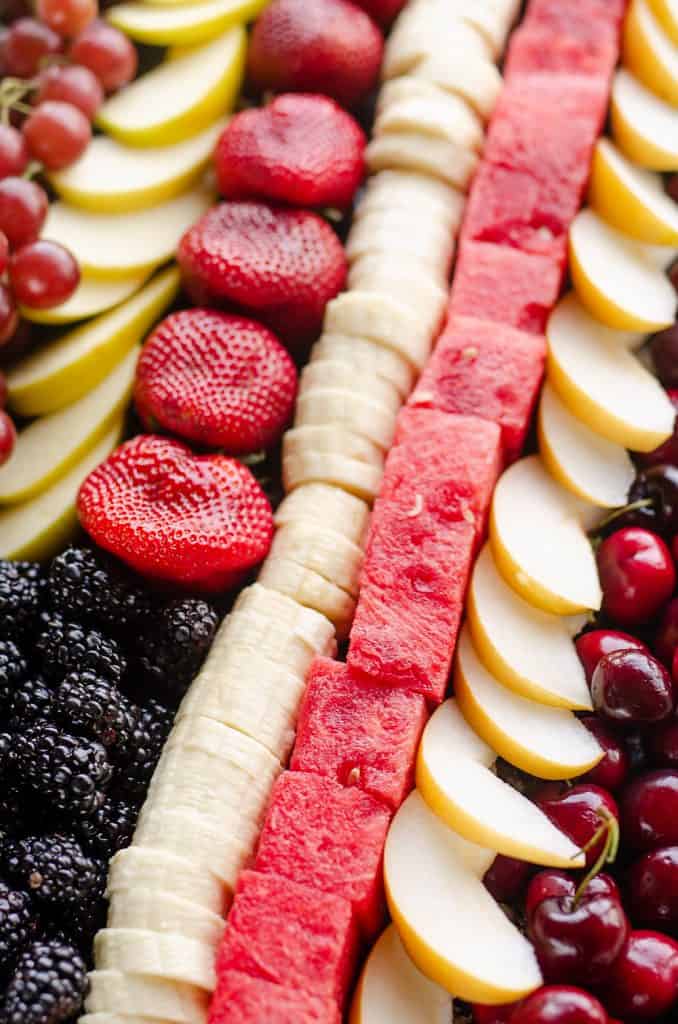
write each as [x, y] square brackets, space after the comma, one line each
[68, 773]
[32, 700]
[110, 828]
[22, 586]
[48, 985]
[87, 587]
[86, 703]
[53, 868]
[138, 757]
[18, 922]
[175, 646]
[67, 647]
[80, 921]
[16, 816]
[13, 668]
[6, 745]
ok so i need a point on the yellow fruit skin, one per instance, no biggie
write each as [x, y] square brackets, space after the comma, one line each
[617, 205]
[638, 57]
[128, 202]
[201, 31]
[638, 148]
[667, 17]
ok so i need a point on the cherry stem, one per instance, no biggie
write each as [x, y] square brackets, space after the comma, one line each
[610, 829]
[634, 506]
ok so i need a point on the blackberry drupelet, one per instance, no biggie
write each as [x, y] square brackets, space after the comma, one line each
[53, 868]
[18, 923]
[174, 648]
[32, 700]
[67, 647]
[66, 773]
[48, 985]
[13, 668]
[86, 586]
[137, 759]
[110, 828]
[6, 744]
[80, 921]
[22, 586]
[17, 814]
[86, 703]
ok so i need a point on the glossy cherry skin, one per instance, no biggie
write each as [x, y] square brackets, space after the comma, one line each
[593, 646]
[643, 981]
[659, 485]
[492, 1014]
[649, 811]
[631, 688]
[652, 890]
[668, 451]
[666, 635]
[578, 942]
[662, 744]
[506, 878]
[552, 883]
[613, 770]
[579, 812]
[637, 575]
[559, 1004]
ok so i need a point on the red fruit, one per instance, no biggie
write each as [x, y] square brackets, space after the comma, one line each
[662, 744]
[593, 646]
[636, 573]
[643, 982]
[648, 811]
[559, 1004]
[281, 266]
[492, 1014]
[383, 11]
[551, 884]
[9, 315]
[71, 83]
[302, 150]
[632, 688]
[28, 43]
[13, 151]
[668, 451]
[613, 770]
[23, 208]
[577, 942]
[199, 521]
[666, 637]
[57, 133]
[652, 890]
[506, 878]
[580, 812]
[107, 53]
[216, 379]
[329, 46]
[7, 437]
[43, 274]
[67, 17]
[4, 252]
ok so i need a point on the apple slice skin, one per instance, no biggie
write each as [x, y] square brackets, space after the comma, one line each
[666, 13]
[647, 53]
[91, 297]
[627, 208]
[185, 23]
[650, 150]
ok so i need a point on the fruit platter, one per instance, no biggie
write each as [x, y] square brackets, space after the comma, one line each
[338, 512]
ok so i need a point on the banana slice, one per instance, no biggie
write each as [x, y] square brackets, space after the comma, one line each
[310, 589]
[316, 467]
[115, 1018]
[421, 32]
[410, 151]
[426, 299]
[159, 871]
[255, 602]
[173, 957]
[335, 374]
[132, 995]
[355, 412]
[491, 18]
[328, 553]
[333, 440]
[383, 320]
[164, 912]
[438, 114]
[389, 190]
[366, 356]
[468, 75]
[416, 244]
[320, 504]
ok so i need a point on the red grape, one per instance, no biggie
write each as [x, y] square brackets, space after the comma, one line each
[67, 17]
[106, 52]
[57, 133]
[7, 436]
[71, 83]
[27, 44]
[13, 151]
[23, 208]
[9, 315]
[43, 274]
[4, 252]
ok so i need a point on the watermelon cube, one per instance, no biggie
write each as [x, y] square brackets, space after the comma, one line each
[485, 369]
[329, 838]
[291, 935]
[535, 48]
[240, 999]
[581, 20]
[359, 734]
[503, 284]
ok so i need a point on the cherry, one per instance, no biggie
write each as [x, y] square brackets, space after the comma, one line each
[632, 688]
[7, 437]
[593, 646]
[662, 744]
[43, 274]
[28, 43]
[664, 350]
[23, 208]
[71, 83]
[9, 315]
[67, 17]
[559, 1004]
[637, 574]
[580, 812]
[107, 53]
[659, 485]
[13, 151]
[57, 133]
[643, 981]
[648, 810]
[668, 451]
[653, 890]
[492, 1014]
[577, 941]
[613, 770]
[551, 884]
[506, 878]
[666, 636]
[4, 252]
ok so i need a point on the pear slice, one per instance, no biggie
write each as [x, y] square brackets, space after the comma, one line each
[588, 465]
[66, 369]
[39, 528]
[644, 126]
[449, 924]
[91, 297]
[630, 199]
[180, 97]
[615, 280]
[118, 245]
[47, 448]
[528, 650]
[391, 989]
[648, 53]
[455, 778]
[185, 23]
[539, 542]
[550, 743]
[666, 13]
[113, 178]
[602, 383]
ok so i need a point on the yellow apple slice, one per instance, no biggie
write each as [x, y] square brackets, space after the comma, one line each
[117, 245]
[455, 778]
[528, 650]
[588, 465]
[38, 528]
[602, 383]
[449, 924]
[162, 25]
[548, 742]
[666, 12]
[614, 278]
[47, 448]
[539, 543]
[391, 989]
[644, 126]
[91, 297]
[649, 53]
[630, 199]
[180, 97]
[113, 178]
[66, 369]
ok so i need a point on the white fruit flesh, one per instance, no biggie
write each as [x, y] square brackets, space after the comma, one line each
[367, 356]
[133, 995]
[420, 33]
[386, 321]
[409, 104]
[318, 467]
[666, 11]
[388, 276]
[648, 52]
[323, 550]
[404, 189]
[472, 77]
[317, 374]
[631, 199]
[351, 410]
[92, 296]
[321, 504]
[410, 151]
[643, 125]
[135, 951]
[159, 871]
[181, 23]
[310, 589]
[159, 911]
[420, 245]
[332, 440]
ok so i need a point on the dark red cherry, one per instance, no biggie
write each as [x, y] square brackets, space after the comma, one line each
[668, 451]
[664, 349]
[593, 646]
[559, 1004]
[632, 688]
[652, 890]
[506, 878]
[637, 575]
[492, 1014]
[577, 941]
[613, 770]
[551, 883]
[658, 485]
[649, 811]
[643, 981]
[662, 744]
[580, 812]
[666, 636]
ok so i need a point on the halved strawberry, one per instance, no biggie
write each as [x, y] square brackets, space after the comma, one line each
[384, 12]
[328, 46]
[301, 149]
[279, 265]
[198, 521]
[220, 380]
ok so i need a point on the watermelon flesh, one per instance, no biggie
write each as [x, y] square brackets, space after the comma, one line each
[503, 284]
[290, 935]
[485, 369]
[329, 838]
[240, 999]
[584, 19]
[535, 48]
[359, 734]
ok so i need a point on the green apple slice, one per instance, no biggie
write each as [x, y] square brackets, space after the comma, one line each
[60, 373]
[47, 448]
[38, 528]
[117, 245]
[113, 178]
[91, 297]
[181, 96]
[186, 23]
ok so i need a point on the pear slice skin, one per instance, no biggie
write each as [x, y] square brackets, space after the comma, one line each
[666, 13]
[92, 296]
[643, 126]
[631, 199]
[185, 23]
[649, 53]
